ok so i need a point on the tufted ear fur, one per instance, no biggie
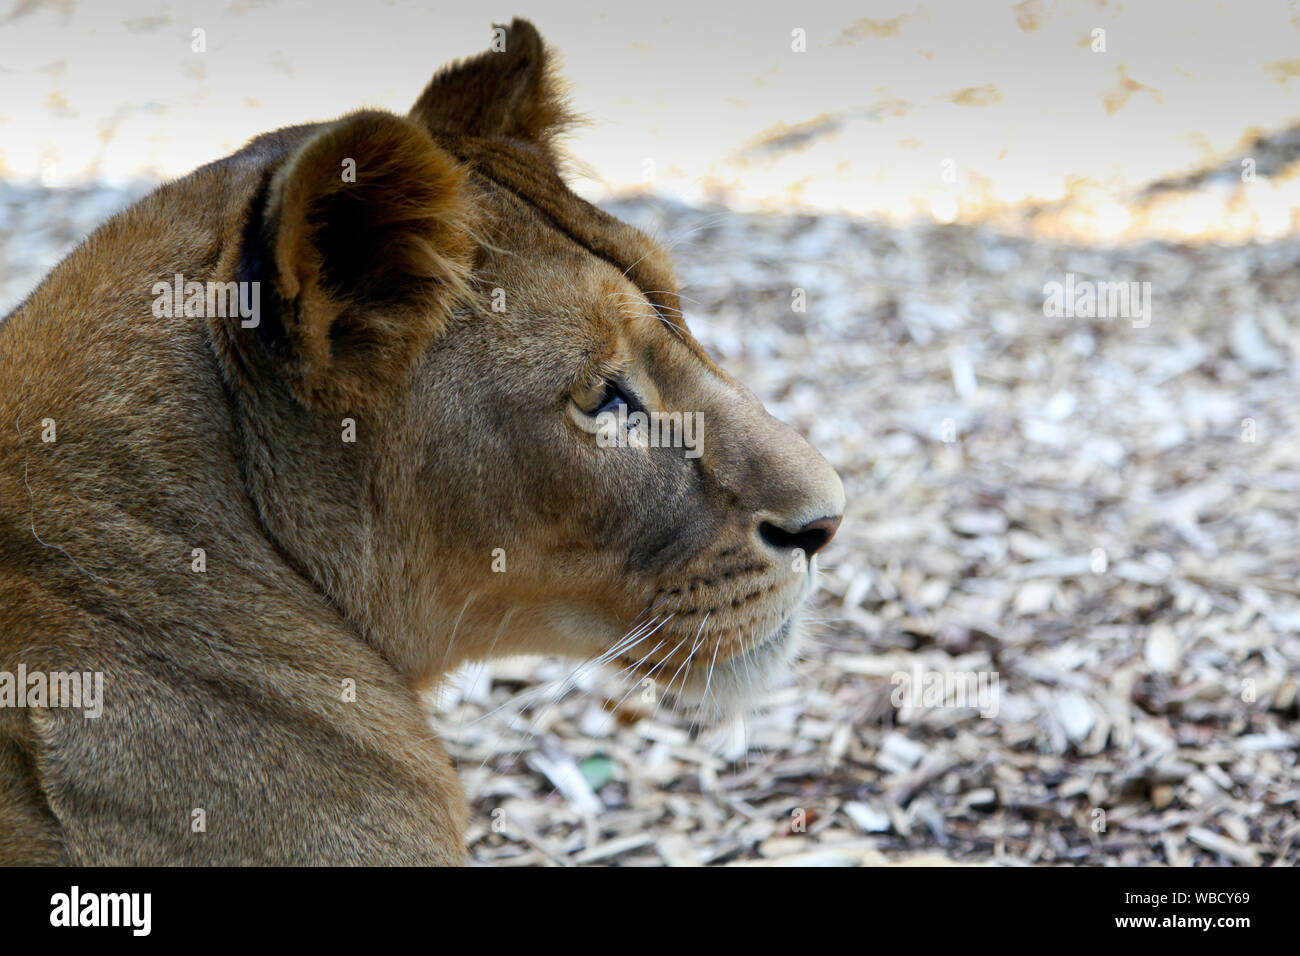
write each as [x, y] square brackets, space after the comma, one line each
[508, 92]
[366, 227]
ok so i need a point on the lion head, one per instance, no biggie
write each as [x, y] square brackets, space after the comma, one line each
[473, 414]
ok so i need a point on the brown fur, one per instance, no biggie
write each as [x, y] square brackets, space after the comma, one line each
[370, 561]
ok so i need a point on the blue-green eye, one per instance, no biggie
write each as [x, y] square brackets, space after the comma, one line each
[611, 397]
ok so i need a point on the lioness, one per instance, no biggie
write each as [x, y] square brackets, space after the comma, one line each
[267, 528]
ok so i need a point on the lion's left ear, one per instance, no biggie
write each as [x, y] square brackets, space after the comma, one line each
[509, 92]
[367, 229]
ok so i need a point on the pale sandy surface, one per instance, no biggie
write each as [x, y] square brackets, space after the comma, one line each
[962, 111]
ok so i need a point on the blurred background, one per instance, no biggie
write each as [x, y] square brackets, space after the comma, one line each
[869, 204]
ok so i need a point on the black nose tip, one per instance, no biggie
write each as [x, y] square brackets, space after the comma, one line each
[810, 539]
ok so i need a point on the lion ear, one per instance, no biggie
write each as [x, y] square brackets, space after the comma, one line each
[366, 226]
[508, 92]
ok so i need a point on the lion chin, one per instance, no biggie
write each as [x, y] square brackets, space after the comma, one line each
[713, 691]
[739, 685]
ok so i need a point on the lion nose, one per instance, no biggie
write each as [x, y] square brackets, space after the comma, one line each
[810, 539]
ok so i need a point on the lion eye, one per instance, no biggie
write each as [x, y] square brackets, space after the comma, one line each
[606, 397]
